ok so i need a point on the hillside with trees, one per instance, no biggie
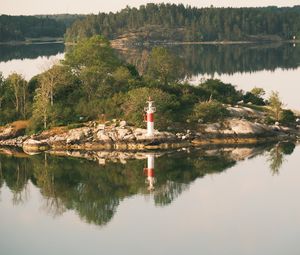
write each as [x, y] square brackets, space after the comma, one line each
[20, 28]
[170, 22]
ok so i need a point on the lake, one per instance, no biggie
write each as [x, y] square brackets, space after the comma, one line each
[209, 200]
[230, 200]
[270, 66]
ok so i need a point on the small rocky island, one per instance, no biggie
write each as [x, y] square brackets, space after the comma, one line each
[241, 128]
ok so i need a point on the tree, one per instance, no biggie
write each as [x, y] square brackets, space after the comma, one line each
[211, 111]
[166, 106]
[53, 77]
[275, 104]
[2, 89]
[164, 66]
[19, 87]
[259, 92]
[287, 117]
[42, 99]
[93, 61]
[222, 92]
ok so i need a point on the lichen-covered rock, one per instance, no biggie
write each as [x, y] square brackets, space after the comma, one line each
[78, 134]
[102, 136]
[247, 127]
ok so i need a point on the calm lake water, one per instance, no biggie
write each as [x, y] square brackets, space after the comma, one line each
[205, 201]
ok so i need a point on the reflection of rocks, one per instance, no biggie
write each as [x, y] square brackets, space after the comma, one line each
[32, 146]
[105, 156]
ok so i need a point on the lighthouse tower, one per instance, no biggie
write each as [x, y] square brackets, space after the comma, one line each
[150, 110]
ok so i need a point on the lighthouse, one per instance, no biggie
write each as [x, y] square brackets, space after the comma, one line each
[150, 110]
[149, 172]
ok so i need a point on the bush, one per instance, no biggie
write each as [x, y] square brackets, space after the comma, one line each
[287, 117]
[222, 92]
[254, 99]
[165, 103]
[209, 112]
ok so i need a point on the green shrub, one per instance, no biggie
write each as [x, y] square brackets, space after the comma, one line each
[211, 111]
[165, 103]
[287, 117]
[222, 92]
[252, 98]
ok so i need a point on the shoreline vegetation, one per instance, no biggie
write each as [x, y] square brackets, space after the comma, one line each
[93, 100]
[117, 43]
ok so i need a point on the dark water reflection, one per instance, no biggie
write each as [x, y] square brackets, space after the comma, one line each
[196, 59]
[30, 51]
[224, 59]
[95, 191]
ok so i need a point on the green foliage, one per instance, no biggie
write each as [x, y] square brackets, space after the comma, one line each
[170, 22]
[249, 97]
[163, 66]
[18, 89]
[166, 105]
[222, 92]
[94, 62]
[18, 28]
[258, 92]
[211, 111]
[275, 104]
[287, 117]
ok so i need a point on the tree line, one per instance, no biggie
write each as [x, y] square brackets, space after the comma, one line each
[19, 28]
[159, 22]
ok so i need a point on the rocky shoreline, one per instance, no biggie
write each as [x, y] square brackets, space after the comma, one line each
[119, 136]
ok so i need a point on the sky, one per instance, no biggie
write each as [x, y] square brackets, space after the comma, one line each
[32, 7]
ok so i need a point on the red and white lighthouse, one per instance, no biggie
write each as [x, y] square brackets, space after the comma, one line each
[149, 172]
[150, 110]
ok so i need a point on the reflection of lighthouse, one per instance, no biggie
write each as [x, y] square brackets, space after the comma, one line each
[150, 110]
[149, 171]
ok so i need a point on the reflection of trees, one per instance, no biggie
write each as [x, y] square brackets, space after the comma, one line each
[9, 52]
[15, 173]
[94, 191]
[229, 59]
[276, 155]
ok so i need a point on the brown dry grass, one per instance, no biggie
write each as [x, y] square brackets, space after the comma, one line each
[20, 124]
[53, 131]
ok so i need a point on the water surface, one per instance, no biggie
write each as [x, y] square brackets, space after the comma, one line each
[208, 201]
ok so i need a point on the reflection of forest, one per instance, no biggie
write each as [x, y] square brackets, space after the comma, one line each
[94, 191]
[9, 52]
[197, 59]
[228, 59]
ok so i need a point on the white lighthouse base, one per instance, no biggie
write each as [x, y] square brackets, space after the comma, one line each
[150, 128]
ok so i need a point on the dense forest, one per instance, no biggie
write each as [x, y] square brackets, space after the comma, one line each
[20, 28]
[160, 22]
